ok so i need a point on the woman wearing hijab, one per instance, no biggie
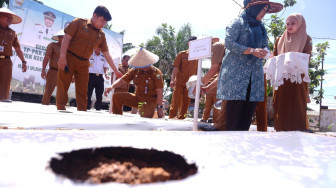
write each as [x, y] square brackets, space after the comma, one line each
[290, 99]
[241, 80]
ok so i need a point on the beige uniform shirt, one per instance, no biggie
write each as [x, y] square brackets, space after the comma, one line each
[53, 51]
[146, 82]
[85, 38]
[186, 68]
[8, 39]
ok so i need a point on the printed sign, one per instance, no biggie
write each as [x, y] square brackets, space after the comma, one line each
[200, 48]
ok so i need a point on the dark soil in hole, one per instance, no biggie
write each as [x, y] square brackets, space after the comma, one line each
[122, 165]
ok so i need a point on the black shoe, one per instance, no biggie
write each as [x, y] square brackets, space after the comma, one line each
[6, 100]
[206, 127]
[203, 120]
[210, 121]
[308, 131]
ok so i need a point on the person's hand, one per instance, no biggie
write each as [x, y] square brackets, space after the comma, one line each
[260, 53]
[62, 62]
[24, 67]
[43, 74]
[160, 112]
[204, 90]
[172, 84]
[107, 91]
[118, 74]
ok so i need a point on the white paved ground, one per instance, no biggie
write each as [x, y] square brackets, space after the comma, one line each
[224, 159]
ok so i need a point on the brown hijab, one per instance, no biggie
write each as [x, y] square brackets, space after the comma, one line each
[294, 42]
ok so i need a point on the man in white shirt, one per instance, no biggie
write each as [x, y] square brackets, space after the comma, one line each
[98, 67]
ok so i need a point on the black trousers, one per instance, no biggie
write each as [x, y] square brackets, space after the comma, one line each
[96, 83]
[239, 113]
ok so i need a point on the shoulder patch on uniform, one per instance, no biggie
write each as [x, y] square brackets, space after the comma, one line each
[158, 76]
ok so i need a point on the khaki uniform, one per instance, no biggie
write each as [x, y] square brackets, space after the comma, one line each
[53, 51]
[123, 88]
[180, 100]
[145, 96]
[218, 52]
[210, 100]
[85, 38]
[8, 39]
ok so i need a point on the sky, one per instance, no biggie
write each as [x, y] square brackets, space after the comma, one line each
[207, 18]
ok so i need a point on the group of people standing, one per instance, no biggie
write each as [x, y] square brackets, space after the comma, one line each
[236, 76]
[241, 83]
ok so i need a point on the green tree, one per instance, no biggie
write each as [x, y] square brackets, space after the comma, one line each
[316, 71]
[166, 44]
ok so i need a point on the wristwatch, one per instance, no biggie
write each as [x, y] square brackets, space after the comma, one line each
[159, 106]
[251, 50]
[24, 62]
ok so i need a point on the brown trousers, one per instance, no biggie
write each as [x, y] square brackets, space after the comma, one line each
[51, 83]
[80, 70]
[210, 100]
[261, 111]
[147, 104]
[180, 102]
[5, 77]
[220, 123]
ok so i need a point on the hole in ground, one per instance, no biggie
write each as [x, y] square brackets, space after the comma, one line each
[122, 165]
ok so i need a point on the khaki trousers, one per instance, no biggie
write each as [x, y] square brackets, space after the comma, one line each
[51, 83]
[220, 123]
[210, 100]
[261, 111]
[146, 105]
[180, 102]
[80, 70]
[5, 77]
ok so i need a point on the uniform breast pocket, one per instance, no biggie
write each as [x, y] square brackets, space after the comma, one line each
[151, 84]
[136, 81]
[99, 39]
[10, 40]
[84, 33]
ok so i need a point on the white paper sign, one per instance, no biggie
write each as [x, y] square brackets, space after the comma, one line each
[200, 48]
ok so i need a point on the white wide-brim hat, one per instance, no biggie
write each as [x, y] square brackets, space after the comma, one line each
[16, 19]
[58, 34]
[142, 59]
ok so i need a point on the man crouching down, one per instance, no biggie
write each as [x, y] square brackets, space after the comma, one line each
[148, 80]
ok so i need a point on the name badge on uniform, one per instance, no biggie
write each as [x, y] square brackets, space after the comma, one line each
[2, 48]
